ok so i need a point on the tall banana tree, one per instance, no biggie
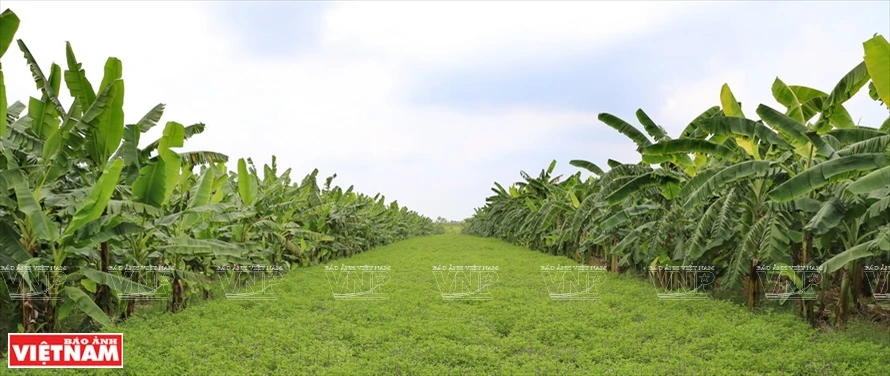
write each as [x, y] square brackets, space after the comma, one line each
[804, 185]
[79, 193]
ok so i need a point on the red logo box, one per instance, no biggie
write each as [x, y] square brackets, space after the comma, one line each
[66, 350]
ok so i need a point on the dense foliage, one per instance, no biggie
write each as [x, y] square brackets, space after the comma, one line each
[79, 193]
[800, 186]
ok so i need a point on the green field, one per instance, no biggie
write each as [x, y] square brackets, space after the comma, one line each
[453, 228]
[519, 331]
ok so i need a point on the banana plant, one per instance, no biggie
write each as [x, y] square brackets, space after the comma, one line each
[55, 218]
[803, 185]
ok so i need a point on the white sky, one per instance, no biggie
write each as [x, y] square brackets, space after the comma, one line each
[346, 105]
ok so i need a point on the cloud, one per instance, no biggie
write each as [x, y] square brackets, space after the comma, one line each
[807, 53]
[341, 94]
[339, 107]
[684, 100]
[471, 33]
[170, 54]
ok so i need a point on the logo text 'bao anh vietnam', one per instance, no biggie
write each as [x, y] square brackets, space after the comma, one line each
[682, 282]
[465, 282]
[573, 282]
[65, 350]
[365, 282]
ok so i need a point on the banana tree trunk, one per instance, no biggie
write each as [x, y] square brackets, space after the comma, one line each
[131, 308]
[28, 311]
[856, 275]
[131, 302]
[103, 294]
[843, 304]
[752, 285]
[51, 312]
[26, 308]
[807, 305]
[176, 304]
[823, 286]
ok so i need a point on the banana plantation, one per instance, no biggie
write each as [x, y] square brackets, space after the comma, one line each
[803, 185]
[79, 196]
[89, 199]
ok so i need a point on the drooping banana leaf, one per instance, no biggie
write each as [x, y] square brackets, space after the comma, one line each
[589, 166]
[689, 146]
[735, 126]
[656, 131]
[44, 85]
[787, 98]
[624, 128]
[724, 178]
[874, 181]
[116, 282]
[828, 217]
[637, 184]
[821, 174]
[859, 251]
[691, 129]
[833, 112]
[86, 304]
[94, 204]
[38, 221]
[854, 135]
[872, 145]
[623, 215]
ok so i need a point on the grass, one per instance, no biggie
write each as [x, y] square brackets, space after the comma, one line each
[453, 228]
[520, 331]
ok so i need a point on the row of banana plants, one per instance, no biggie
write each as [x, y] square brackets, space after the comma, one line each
[803, 185]
[80, 197]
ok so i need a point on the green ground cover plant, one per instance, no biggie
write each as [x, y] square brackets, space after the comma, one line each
[519, 331]
[453, 228]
